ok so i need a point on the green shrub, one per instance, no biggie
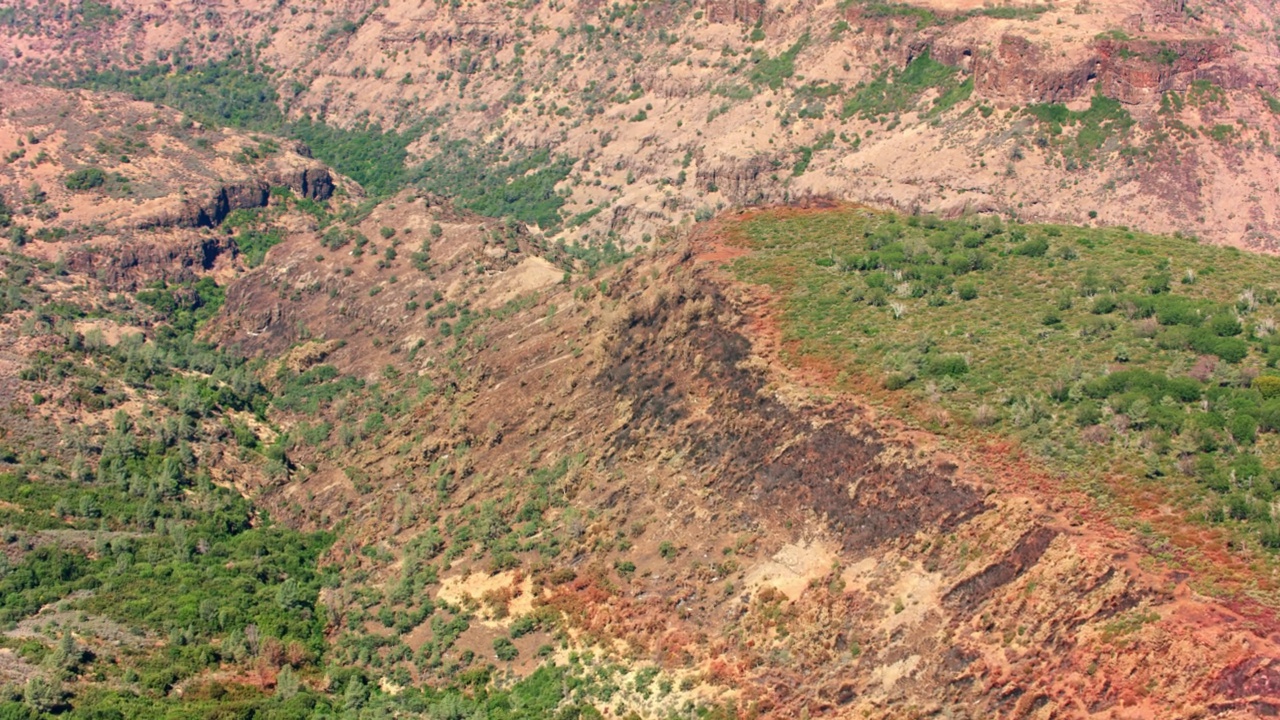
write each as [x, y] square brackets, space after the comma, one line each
[1226, 325]
[86, 179]
[1267, 385]
[1247, 468]
[523, 625]
[1244, 428]
[505, 649]
[1032, 248]
[951, 365]
[1177, 310]
[254, 244]
[896, 381]
[1243, 507]
[1103, 305]
[1270, 536]
[1175, 338]
[1152, 385]
[1157, 283]
[1232, 350]
[1088, 413]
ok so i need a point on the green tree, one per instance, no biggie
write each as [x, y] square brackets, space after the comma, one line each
[355, 695]
[42, 695]
[1244, 428]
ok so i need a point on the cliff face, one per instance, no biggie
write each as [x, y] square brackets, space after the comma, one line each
[735, 12]
[170, 258]
[175, 256]
[313, 183]
[743, 181]
[1019, 71]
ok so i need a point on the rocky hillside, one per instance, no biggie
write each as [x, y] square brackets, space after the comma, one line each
[1148, 113]
[99, 182]
[629, 454]
[401, 360]
[531, 455]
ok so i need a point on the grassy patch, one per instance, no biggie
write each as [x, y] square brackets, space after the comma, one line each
[773, 71]
[94, 15]
[1028, 12]
[898, 92]
[734, 91]
[1103, 120]
[805, 152]
[1273, 103]
[1095, 347]
[875, 9]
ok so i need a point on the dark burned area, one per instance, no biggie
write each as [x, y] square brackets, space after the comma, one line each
[749, 444]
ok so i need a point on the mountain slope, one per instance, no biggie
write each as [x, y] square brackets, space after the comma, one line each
[531, 455]
[629, 458]
[367, 360]
[667, 112]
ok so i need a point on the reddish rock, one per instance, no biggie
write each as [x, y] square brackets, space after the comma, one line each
[747, 12]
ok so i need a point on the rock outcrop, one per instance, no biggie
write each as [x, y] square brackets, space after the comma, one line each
[745, 12]
[1018, 71]
[315, 183]
[745, 181]
[135, 263]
